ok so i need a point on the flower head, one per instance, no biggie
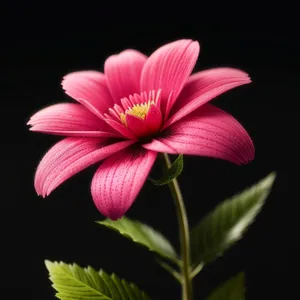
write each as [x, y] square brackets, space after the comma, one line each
[138, 107]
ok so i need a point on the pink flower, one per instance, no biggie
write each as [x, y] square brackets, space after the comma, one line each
[140, 106]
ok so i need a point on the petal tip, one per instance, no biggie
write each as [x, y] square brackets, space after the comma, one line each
[249, 155]
[40, 194]
[247, 78]
[63, 83]
[48, 192]
[196, 44]
[191, 44]
[186, 41]
[66, 77]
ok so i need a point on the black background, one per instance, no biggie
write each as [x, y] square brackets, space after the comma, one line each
[34, 59]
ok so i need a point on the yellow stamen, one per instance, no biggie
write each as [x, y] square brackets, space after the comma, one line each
[137, 110]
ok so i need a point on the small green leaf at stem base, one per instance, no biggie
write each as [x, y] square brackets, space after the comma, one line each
[173, 172]
[227, 222]
[75, 283]
[232, 289]
[143, 235]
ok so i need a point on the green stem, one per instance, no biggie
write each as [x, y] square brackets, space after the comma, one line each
[186, 282]
[168, 268]
[196, 270]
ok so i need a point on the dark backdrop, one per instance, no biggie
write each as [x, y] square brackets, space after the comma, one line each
[62, 226]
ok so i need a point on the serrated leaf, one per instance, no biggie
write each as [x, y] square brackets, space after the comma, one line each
[73, 283]
[144, 235]
[227, 222]
[232, 289]
[171, 173]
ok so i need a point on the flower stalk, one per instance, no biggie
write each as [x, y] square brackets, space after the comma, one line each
[186, 282]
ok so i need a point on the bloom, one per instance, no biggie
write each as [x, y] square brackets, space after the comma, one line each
[138, 107]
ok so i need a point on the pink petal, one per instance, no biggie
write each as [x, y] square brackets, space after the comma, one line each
[122, 129]
[70, 156]
[168, 69]
[153, 119]
[204, 86]
[90, 89]
[136, 125]
[119, 179]
[70, 119]
[123, 72]
[209, 131]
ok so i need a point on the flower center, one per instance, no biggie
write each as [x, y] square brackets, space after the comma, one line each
[137, 110]
[138, 116]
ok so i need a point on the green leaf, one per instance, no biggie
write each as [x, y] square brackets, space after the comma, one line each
[144, 235]
[227, 222]
[232, 289]
[73, 283]
[171, 173]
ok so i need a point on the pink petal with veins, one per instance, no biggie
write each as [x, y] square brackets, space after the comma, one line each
[90, 89]
[153, 119]
[119, 179]
[208, 131]
[70, 156]
[69, 119]
[118, 126]
[123, 72]
[168, 69]
[136, 125]
[203, 87]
